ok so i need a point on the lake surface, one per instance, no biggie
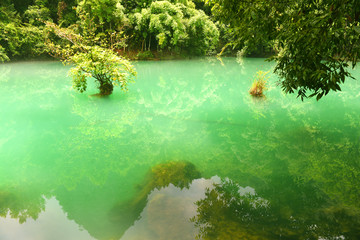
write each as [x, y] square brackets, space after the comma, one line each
[186, 153]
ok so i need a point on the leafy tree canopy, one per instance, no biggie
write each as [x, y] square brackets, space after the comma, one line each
[104, 65]
[175, 26]
[315, 40]
[91, 60]
[17, 38]
[127, 26]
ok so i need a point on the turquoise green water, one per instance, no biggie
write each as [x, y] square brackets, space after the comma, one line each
[137, 165]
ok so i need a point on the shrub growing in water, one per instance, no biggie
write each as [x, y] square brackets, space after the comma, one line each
[105, 66]
[91, 60]
[259, 85]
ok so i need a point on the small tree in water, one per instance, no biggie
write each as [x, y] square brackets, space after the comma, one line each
[105, 66]
[259, 85]
[101, 63]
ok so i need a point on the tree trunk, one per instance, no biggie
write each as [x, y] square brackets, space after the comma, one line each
[106, 88]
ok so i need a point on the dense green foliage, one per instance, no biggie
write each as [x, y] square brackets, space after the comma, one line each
[126, 26]
[89, 34]
[175, 27]
[102, 64]
[91, 60]
[314, 40]
[18, 38]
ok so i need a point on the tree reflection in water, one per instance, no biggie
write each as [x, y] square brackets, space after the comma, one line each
[179, 174]
[21, 204]
[282, 207]
[229, 211]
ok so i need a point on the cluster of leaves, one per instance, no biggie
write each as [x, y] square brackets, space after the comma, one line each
[175, 26]
[22, 28]
[145, 55]
[58, 11]
[315, 40]
[102, 22]
[17, 38]
[163, 20]
[307, 64]
[37, 12]
[246, 36]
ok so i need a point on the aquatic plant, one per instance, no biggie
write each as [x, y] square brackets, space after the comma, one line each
[259, 85]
